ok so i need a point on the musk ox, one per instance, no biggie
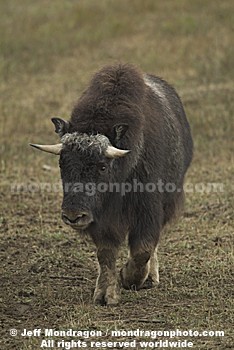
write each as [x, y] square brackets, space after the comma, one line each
[128, 138]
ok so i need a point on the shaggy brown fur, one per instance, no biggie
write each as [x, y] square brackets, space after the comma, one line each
[143, 114]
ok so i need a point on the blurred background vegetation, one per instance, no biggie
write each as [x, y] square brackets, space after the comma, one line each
[48, 52]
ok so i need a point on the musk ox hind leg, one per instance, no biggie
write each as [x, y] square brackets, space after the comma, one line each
[107, 291]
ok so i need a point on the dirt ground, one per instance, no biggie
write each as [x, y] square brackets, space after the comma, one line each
[49, 51]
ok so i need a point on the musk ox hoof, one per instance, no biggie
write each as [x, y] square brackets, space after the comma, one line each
[110, 297]
[150, 283]
[131, 282]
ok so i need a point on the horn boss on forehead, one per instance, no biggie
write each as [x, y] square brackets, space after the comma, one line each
[84, 141]
[98, 141]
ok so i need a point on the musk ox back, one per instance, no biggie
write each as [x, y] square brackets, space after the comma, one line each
[123, 157]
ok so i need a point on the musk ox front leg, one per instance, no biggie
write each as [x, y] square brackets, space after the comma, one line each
[107, 291]
[153, 277]
[141, 269]
[135, 272]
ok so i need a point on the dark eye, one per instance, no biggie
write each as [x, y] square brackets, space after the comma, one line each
[102, 169]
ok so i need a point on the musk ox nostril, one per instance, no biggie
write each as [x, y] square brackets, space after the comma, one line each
[79, 217]
[76, 218]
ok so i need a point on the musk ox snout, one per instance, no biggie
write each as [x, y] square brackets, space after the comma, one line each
[77, 219]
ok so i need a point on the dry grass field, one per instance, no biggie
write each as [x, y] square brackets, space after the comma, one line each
[48, 52]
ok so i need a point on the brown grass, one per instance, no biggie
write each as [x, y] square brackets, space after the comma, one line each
[49, 50]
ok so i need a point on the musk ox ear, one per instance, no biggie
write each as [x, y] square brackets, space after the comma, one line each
[119, 131]
[61, 126]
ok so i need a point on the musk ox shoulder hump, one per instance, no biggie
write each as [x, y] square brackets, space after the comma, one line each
[156, 87]
[123, 81]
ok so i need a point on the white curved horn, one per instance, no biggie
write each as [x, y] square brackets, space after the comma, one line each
[55, 149]
[112, 152]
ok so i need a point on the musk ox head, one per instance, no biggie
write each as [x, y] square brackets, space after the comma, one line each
[86, 162]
